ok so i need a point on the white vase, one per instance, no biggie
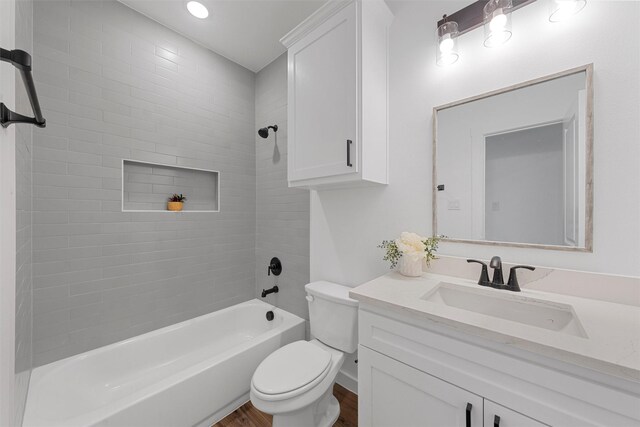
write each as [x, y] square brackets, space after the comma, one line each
[408, 266]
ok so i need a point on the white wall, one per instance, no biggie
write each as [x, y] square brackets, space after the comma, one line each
[7, 223]
[346, 225]
[24, 210]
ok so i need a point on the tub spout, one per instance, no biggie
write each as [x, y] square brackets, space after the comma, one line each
[266, 292]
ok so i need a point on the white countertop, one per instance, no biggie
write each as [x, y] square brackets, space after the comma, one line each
[612, 345]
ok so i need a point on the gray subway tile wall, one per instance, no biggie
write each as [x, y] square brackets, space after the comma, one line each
[282, 213]
[114, 84]
[24, 207]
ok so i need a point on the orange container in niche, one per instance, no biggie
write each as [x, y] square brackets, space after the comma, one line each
[175, 206]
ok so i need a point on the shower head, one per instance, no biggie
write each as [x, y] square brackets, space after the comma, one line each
[264, 132]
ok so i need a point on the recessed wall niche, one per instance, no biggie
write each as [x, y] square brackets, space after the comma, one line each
[147, 186]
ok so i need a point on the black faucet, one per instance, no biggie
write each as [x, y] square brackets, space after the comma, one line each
[273, 290]
[498, 281]
[496, 264]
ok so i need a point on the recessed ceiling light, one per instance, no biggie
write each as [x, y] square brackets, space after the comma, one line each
[197, 9]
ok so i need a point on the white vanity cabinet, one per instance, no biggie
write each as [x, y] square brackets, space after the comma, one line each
[337, 95]
[399, 395]
[394, 394]
[498, 416]
[419, 373]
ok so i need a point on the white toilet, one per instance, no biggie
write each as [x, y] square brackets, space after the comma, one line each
[295, 383]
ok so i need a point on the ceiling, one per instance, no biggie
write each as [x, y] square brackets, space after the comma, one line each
[247, 32]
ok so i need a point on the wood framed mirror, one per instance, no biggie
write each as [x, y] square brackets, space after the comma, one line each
[514, 167]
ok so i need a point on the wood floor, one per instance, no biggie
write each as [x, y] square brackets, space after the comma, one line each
[248, 416]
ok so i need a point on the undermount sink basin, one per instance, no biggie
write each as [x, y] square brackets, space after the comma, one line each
[508, 306]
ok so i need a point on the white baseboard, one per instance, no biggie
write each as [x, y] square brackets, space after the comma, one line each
[347, 381]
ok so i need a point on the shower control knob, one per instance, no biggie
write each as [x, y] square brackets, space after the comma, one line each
[275, 267]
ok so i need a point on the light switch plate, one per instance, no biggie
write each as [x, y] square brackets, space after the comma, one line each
[454, 205]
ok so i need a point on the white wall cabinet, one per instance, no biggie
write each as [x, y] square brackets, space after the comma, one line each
[337, 96]
[419, 373]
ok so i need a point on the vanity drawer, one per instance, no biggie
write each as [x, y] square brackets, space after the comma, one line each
[540, 392]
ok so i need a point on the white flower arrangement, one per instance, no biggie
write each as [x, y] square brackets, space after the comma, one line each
[412, 246]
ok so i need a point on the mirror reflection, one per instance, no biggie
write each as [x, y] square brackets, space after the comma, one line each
[513, 167]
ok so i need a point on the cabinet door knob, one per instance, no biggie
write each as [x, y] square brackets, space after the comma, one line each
[349, 153]
[468, 414]
[496, 421]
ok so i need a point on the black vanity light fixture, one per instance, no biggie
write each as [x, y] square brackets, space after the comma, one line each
[264, 132]
[495, 16]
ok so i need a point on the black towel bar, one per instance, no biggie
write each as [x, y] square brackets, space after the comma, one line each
[22, 61]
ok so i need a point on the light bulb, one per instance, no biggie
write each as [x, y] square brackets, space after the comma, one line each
[446, 44]
[498, 21]
[447, 40]
[197, 9]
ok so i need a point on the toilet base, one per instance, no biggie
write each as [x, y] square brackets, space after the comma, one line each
[322, 413]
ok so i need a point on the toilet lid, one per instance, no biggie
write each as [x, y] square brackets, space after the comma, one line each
[291, 367]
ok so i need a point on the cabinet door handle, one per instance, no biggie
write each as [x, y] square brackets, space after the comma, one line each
[468, 414]
[349, 153]
[496, 421]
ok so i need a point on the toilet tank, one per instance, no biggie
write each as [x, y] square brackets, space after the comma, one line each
[333, 316]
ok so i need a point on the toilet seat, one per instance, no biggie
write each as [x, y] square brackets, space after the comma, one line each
[291, 371]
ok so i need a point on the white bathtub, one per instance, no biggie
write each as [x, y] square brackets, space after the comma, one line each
[191, 373]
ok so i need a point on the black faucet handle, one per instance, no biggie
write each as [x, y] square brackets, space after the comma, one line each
[484, 274]
[275, 267]
[512, 283]
[528, 267]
